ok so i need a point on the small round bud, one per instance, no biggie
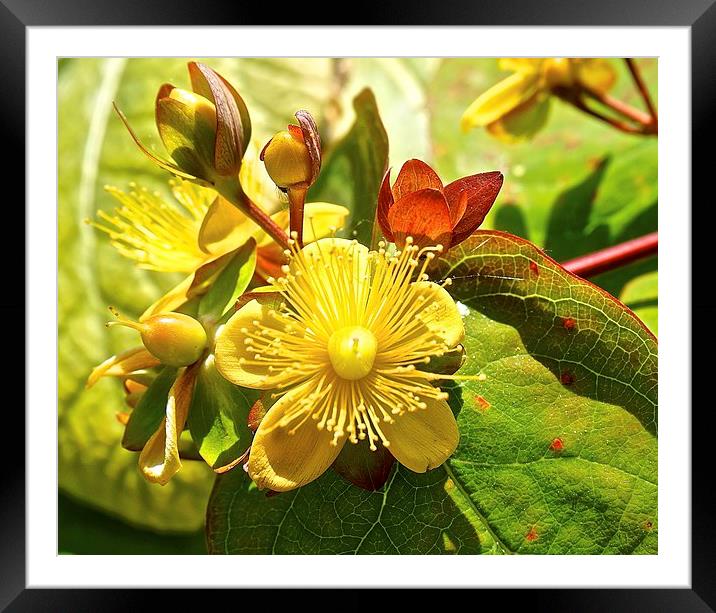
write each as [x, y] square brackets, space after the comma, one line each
[287, 160]
[174, 339]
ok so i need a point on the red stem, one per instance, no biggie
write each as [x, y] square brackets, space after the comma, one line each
[296, 202]
[233, 192]
[620, 107]
[614, 257]
[641, 86]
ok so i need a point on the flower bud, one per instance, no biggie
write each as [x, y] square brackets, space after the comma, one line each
[287, 160]
[206, 130]
[293, 156]
[174, 339]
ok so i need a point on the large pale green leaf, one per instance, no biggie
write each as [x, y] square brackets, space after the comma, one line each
[355, 168]
[558, 437]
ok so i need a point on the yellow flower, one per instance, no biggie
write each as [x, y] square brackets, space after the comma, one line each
[343, 345]
[517, 107]
[197, 232]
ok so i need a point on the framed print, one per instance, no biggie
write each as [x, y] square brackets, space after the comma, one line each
[350, 291]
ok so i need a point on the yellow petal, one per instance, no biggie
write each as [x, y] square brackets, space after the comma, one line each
[520, 64]
[122, 364]
[425, 438]
[500, 100]
[523, 122]
[441, 314]
[224, 228]
[231, 350]
[281, 461]
[159, 460]
[596, 73]
[320, 220]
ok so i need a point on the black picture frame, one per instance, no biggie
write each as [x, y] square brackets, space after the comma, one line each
[698, 15]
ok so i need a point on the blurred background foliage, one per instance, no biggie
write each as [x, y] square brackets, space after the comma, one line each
[578, 186]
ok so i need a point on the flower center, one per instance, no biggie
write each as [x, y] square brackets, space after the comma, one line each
[352, 352]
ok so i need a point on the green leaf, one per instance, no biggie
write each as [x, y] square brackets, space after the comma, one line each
[149, 412]
[412, 514]
[354, 169]
[231, 282]
[218, 417]
[641, 295]
[557, 453]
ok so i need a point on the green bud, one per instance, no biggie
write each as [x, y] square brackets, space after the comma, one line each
[205, 130]
[174, 339]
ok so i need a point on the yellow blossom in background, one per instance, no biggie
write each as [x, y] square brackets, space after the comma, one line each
[343, 345]
[517, 107]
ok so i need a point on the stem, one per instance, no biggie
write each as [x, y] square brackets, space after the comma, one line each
[575, 98]
[620, 107]
[641, 86]
[613, 257]
[615, 123]
[232, 191]
[296, 201]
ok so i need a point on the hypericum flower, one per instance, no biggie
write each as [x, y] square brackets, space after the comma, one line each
[206, 131]
[517, 107]
[344, 346]
[196, 232]
[420, 207]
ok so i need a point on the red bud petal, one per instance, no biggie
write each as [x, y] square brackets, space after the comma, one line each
[481, 190]
[424, 215]
[385, 201]
[311, 137]
[233, 129]
[362, 467]
[415, 175]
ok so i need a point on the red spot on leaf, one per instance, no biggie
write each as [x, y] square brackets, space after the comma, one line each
[569, 323]
[482, 403]
[534, 269]
[566, 378]
[648, 525]
[532, 535]
[557, 445]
